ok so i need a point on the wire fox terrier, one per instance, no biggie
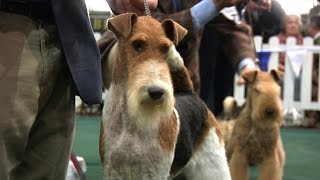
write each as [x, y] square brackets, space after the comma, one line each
[153, 125]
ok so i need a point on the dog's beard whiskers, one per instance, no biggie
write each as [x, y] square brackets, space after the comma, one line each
[146, 112]
[141, 107]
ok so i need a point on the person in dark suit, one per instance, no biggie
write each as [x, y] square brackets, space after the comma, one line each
[265, 20]
[48, 54]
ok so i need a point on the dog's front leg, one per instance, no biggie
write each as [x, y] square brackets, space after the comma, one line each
[180, 76]
[239, 168]
[271, 168]
[281, 153]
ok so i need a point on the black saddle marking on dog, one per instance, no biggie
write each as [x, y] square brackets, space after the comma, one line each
[193, 114]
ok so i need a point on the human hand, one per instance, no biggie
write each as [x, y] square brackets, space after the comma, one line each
[264, 5]
[220, 4]
[133, 6]
[246, 69]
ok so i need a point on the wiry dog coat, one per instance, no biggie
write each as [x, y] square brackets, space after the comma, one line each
[154, 126]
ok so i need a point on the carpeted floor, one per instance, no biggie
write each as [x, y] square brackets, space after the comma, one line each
[302, 150]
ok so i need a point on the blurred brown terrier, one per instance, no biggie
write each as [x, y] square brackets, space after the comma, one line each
[153, 124]
[256, 135]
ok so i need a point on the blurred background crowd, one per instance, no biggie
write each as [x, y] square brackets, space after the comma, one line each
[285, 18]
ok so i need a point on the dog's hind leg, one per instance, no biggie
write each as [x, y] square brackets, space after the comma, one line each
[180, 76]
[208, 159]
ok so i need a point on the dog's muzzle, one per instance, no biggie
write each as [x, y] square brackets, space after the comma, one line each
[270, 112]
[155, 92]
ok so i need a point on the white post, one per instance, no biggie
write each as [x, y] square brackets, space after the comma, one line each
[288, 84]
[238, 91]
[306, 76]
[274, 57]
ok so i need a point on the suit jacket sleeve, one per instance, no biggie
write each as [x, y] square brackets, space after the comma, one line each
[80, 48]
[184, 18]
[237, 41]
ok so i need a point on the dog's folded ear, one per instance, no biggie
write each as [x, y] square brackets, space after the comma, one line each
[250, 76]
[122, 24]
[174, 31]
[277, 75]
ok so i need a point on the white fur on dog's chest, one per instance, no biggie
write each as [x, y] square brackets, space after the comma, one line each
[132, 153]
[133, 156]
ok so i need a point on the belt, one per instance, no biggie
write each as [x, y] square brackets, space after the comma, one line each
[34, 10]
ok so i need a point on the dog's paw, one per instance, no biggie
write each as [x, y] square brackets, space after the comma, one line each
[175, 61]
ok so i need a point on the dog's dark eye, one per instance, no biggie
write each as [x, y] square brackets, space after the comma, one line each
[138, 46]
[164, 49]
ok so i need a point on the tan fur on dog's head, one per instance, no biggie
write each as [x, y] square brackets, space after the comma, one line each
[264, 94]
[141, 67]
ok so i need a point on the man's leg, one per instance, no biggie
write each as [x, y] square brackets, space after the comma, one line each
[38, 124]
[20, 71]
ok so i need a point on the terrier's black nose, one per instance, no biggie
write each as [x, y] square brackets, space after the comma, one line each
[155, 92]
[269, 111]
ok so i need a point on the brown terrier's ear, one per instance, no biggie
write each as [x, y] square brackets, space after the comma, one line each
[174, 31]
[122, 24]
[250, 76]
[277, 75]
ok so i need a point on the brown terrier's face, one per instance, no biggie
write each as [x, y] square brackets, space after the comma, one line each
[142, 65]
[264, 92]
